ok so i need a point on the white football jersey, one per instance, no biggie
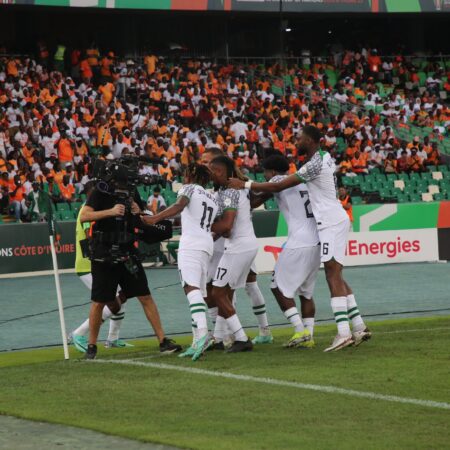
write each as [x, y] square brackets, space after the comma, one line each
[295, 206]
[197, 218]
[242, 238]
[318, 173]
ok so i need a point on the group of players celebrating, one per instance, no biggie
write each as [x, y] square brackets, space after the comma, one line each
[218, 248]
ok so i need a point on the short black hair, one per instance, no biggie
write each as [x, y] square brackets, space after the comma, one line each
[226, 162]
[278, 163]
[215, 151]
[313, 132]
[157, 189]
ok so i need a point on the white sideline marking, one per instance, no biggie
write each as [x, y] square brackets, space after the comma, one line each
[275, 382]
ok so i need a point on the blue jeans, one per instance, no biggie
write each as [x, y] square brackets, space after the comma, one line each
[17, 209]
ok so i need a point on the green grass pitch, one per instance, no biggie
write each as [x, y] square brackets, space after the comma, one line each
[408, 359]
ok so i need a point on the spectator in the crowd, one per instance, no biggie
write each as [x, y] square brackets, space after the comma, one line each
[156, 202]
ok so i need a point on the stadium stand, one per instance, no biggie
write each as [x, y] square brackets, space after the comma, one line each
[385, 120]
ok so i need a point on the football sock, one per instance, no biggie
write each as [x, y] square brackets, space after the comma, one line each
[308, 323]
[83, 329]
[115, 323]
[197, 306]
[220, 329]
[213, 312]
[236, 328]
[259, 306]
[293, 316]
[354, 315]
[339, 307]
[194, 331]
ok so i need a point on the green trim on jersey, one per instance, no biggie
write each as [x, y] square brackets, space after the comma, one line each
[322, 153]
[299, 177]
[82, 265]
[229, 209]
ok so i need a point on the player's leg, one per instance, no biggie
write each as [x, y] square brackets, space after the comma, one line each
[308, 309]
[311, 264]
[259, 309]
[285, 282]
[333, 242]
[193, 266]
[104, 287]
[136, 285]
[231, 274]
[115, 324]
[360, 331]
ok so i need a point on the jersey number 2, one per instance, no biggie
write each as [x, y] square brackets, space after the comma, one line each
[206, 209]
[309, 214]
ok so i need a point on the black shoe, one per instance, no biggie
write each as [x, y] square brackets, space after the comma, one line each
[216, 346]
[91, 352]
[169, 346]
[240, 346]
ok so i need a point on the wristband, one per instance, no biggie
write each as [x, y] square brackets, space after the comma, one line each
[248, 184]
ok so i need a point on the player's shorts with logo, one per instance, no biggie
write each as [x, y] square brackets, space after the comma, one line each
[193, 268]
[213, 264]
[296, 271]
[233, 269]
[333, 241]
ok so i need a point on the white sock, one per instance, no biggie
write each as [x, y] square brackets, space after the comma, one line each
[197, 306]
[354, 315]
[339, 307]
[258, 305]
[213, 312]
[293, 316]
[308, 323]
[194, 331]
[235, 326]
[83, 329]
[115, 323]
[220, 329]
[234, 299]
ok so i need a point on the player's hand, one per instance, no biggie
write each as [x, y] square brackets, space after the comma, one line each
[118, 210]
[135, 208]
[236, 183]
[148, 220]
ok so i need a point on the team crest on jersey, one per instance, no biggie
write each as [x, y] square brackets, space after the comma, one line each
[227, 202]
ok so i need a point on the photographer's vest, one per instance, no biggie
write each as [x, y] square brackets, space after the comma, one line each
[92, 56]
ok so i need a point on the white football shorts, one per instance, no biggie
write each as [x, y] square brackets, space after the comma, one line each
[233, 269]
[296, 271]
[333, 242]
[193, 268]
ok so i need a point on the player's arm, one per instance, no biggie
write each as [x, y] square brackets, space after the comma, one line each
[225, 224]
[169, 213]
[88, 214]
[266, 188]
[256, 200]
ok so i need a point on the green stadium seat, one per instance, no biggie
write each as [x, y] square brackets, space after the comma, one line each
[426, 176]
[260, 178]
[443, 168]
[439, 197]
[414, 176]
[62, 207]
[415, 198]
[402, 198]
[391, 177]
[404, 177]
[357, 200]
[75, 206]
[64, 216]
[347, 181]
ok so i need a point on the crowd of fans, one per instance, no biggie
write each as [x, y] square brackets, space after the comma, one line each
[57, 115]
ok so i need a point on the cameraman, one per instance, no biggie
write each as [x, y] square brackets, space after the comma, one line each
[102, 209]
